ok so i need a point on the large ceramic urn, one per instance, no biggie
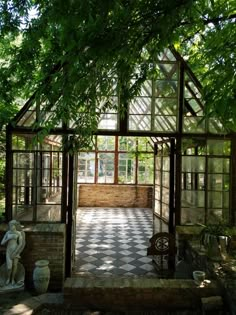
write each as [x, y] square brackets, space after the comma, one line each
[41, 276]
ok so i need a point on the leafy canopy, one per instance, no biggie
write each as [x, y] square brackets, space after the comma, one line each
[67, 53]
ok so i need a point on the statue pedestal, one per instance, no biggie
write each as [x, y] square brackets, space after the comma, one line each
[12, 288]
[19, 279]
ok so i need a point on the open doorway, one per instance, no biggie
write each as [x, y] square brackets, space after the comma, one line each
[117, 207]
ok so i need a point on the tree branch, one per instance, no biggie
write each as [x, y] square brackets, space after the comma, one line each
[213, 20]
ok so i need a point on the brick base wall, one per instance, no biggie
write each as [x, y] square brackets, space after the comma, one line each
[124, 294]
[43, 241]
[92, 195]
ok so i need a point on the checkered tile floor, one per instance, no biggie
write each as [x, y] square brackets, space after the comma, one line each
[113, 241]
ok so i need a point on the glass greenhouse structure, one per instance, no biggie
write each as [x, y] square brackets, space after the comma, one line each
[163, 141]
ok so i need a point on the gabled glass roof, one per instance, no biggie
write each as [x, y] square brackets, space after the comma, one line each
[156, 108]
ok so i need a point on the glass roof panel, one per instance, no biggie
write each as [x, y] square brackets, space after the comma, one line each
[165, 123]
[166, 55]
[146, 88]
[140, 105]
[140, 122]
[166, 106]
[154, 108]
[166, 71]
[166, 88]
[215, 126]
[194, 124]
[28, 119]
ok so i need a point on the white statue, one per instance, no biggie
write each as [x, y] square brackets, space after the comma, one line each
[14, 239]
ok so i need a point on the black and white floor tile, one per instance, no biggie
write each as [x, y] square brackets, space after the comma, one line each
[113, 241]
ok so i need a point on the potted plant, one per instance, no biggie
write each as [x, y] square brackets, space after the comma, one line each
[216, 239]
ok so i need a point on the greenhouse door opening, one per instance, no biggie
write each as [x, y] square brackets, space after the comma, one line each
[164, 187]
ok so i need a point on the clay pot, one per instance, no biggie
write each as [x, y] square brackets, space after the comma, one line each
[41, 276]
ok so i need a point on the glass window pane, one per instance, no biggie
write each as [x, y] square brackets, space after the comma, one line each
[106, 168]
[106, 143]
[23, 177]
[145, 169]
[218, 182]
[108, 122]
[127, 143]
[144, 144]
[18, 143]
[165, 210]
[194, 146]
[193, 198]
[22, 212]
[193, 181]
[217, 215]
[192, 216]
[49, 195]
[165, 195]
[165, 179]
[157, 178]
[215, 199]
[166, 163]
[218, 165]
[215, 147]
[22, 195]
[226, 200]
[23, 160]
[193, 164]
[194, 124]
[49, 213]
[195, 106]
[157, 207]
[126, 168]
[86, 168]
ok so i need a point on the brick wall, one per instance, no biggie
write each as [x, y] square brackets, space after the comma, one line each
[43, 241]
[92, 195]
[137, 295]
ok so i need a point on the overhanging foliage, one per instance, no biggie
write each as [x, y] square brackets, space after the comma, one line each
[69, 52]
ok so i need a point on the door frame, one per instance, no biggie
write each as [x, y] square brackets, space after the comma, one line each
[172, 189]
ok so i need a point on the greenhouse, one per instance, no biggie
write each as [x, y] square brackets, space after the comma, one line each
[163, 147]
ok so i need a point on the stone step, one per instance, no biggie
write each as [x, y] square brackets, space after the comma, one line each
[131, 293]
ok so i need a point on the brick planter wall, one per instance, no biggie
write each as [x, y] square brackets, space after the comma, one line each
[92, 195]
[223, 271]
[43, 241]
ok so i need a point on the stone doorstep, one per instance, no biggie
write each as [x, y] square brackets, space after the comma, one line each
[117, 293]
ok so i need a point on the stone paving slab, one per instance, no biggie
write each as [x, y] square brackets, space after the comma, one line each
[8, 300]
[27, 306]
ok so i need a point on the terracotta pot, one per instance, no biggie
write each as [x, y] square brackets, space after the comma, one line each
[41, 276]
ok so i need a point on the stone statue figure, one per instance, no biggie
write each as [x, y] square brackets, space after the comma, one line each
[12, 271]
